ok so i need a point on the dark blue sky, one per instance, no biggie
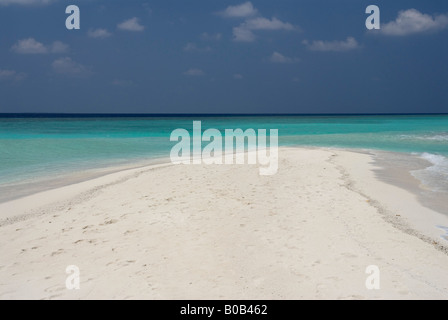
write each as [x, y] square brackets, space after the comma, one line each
[203, 56]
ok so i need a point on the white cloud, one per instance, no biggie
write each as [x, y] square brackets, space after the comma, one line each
[58, 47]
[25, 2]
[279, 58]
[99, 33]
[147, 8]
[338, 46]
[194, 72]
[261, 23]
[131, 25]
[412, 21]
[191, 47]
[244, 32]
[11, 75]
[208, 37]
[238, 76]
[69, 67]
[243, 10]
[253, 22]
[31, 46]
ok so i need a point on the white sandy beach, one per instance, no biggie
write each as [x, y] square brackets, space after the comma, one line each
[225, 232]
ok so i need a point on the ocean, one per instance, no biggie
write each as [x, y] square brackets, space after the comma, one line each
[35, 149]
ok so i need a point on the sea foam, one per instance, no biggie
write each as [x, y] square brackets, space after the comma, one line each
[435, 177]
[437, 137]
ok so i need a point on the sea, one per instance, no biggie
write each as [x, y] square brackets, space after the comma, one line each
[39, 151]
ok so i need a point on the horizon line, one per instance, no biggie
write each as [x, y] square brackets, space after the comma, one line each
[92, 115]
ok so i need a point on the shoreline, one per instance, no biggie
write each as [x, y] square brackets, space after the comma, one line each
[399, 169]
[398, 201]
[326, 204]
[382, 169]
[51, 198]
[73, 177]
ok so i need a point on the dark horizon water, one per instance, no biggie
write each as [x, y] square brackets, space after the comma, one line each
[192, 115]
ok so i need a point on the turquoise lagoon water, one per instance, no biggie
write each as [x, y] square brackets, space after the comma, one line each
[36, 148]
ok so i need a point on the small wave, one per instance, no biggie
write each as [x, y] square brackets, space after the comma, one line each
[435, 159]
[440, 137]
[435, 176]
[445, 236]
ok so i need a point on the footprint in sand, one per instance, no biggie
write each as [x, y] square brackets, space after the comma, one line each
[112, 221]
[55, 288]
[112, 262]
[126, 263]
[55, 253]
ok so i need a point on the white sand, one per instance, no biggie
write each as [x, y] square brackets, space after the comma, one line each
[225, 232]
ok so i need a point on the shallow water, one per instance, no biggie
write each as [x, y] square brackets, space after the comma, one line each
[38, 149]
